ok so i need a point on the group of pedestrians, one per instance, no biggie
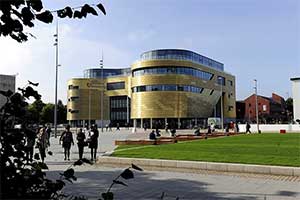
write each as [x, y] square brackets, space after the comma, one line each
[40, 140]
[82, 141]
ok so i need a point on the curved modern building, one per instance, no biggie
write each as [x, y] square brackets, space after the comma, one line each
[178, 87]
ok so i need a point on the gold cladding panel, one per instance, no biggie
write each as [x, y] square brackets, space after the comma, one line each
[84, 92]
[190, 80]
[169, 104]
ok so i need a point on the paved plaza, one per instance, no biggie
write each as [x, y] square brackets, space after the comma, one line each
[95, 179]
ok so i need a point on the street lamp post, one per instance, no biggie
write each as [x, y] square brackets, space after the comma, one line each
[256, 105]
[102, 90]
[89, 84]
[56, 74]
[222, 117]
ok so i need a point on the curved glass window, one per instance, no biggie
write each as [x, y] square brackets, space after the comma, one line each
[96, 73]
[170, 87]
[180, 54]
[115, 86]
[174, 70]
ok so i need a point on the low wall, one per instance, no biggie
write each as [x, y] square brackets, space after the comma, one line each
[144, 142]
[187, 166]
[271, 127]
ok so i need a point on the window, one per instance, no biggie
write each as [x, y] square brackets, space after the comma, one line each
[230, 82]
[73, 111]
[73, 87]
[118, 107]
[180, 88]
[174, 70]
[264, 108]
[116, 86]
[73, 98]
[182, 55]
[249, 104]
[221, 80]
[169, 87]
[185, 88]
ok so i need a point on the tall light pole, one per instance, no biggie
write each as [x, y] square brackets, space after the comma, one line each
[56, 71]
[89, 84]
[256, 105]
[102, 91]
[220, 79]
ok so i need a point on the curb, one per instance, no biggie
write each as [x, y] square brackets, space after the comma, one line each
[186, 166]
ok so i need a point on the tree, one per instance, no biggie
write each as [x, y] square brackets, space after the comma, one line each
[47, 114]
[27, 180]
[61, 113]
[15, 14]
[34, 111]
[289, 108]
[289, 104]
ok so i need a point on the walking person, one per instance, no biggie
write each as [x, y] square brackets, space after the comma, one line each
[29, 145]
[80, 142]
[42, 143]
[118, 127]
[167, 128]
[67, 140]
[109, 127]
[49, 131]
[93, 138]
[248, 127]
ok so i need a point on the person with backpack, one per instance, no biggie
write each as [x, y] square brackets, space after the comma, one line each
[80, 142]
[93, 141]
[67, 139]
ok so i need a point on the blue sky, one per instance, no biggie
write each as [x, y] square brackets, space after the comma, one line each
[253, 38]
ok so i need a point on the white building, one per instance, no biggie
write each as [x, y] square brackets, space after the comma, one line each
[7, 82]
[296, 97]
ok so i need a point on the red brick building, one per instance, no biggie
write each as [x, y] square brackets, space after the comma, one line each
[270, 109]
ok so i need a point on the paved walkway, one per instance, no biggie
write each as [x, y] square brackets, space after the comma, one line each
[92, 180]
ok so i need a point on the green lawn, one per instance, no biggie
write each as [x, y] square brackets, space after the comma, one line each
[266, 149]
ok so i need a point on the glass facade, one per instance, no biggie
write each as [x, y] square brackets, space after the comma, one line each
[116, 86]
[184, 88]
[96, 73]
[177, 54]
[174, 70]
[118, 109]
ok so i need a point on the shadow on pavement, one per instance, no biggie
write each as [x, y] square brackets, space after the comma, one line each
[146, 185]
